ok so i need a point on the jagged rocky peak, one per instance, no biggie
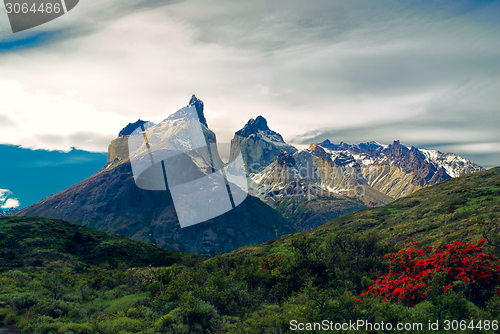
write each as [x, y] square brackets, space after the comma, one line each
[440, 176]
[259, 145]
[118, 148]
[331, 146]
[199, 109]
[253, 126]
[285, 159]
[259, 126]
[396, 149]
[410, 159]
[184, 114]
[130, 128]
[6, 212]
[371, 147]
[318, 151]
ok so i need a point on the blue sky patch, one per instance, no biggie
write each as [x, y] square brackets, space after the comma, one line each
[16, 42]
[32, 175]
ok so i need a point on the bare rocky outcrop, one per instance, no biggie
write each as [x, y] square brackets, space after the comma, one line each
[118, 150]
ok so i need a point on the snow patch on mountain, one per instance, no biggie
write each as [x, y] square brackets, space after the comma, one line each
[454, 165]
[271, 138]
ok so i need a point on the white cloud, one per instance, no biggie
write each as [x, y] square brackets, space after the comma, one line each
[44, 120]
[3, 194]
[5, 202]
[10, 203]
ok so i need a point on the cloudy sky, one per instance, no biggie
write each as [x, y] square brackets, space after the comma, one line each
[352, 71]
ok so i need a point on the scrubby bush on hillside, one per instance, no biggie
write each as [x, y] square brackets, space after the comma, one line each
[417, 273]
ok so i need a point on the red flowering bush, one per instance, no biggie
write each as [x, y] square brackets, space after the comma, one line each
[271, 262]
[460, 266]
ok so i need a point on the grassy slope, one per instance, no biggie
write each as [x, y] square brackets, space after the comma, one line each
[231, 293]
[36, 242]
[62, 267]
[456, 209]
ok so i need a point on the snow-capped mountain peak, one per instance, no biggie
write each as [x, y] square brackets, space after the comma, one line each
[454, 165]
[258, 128]
[420, 167]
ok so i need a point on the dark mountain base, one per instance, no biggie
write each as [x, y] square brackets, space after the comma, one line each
[110, 201]
[306, 215]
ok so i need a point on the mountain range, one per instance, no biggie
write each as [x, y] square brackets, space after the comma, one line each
[110, 200]
[290, 190]
[7, 211]
[310, 187]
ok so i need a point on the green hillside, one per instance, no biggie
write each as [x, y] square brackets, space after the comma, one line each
[457, 209]
[61, 278]
[42, 242]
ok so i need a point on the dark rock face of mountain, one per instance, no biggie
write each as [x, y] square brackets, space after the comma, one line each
[308, 215]
[256, 126]
[288, 180]
[111, 201]
[397, 170]
[285, 159]
[130, 128]
[439, 176]
[319, 152]
[292, 185]
[199, 109]
[411, 160]
[370, 147]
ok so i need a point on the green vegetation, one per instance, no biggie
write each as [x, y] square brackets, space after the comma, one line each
[60, 278]
[35, 242]
[457, 209]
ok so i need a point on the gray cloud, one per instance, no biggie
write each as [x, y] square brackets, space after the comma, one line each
[87, 18]
[427, 74]
[92, 141]
[6, 121]
[90, 138]
[480, 145]
[51, 139]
